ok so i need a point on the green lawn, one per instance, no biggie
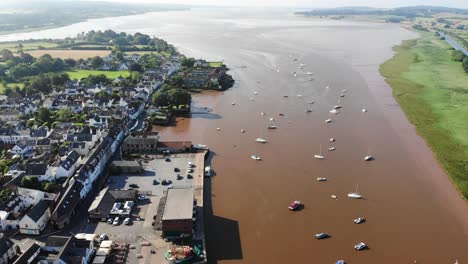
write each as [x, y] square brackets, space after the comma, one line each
[433, 92]
[215, 64]
[85, 73]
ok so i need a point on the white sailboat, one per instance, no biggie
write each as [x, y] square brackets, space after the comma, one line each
[328, 121]
[368, 157]
[334, 111]
[260, 139]
[271, 125]
[355, 195]
[319, 156]
[255, 157]
[331, 149]
[364, 110]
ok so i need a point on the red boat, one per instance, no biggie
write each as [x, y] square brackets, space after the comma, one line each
[294, 205]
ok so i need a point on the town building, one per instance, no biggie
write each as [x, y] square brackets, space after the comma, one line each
[140, 143]
[7, 249]
[178, 212]
[102, 206]
[35, 219]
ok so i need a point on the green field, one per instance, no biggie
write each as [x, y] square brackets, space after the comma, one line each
[433, 92]
[215, 64]
[75, 75]
[27, 45]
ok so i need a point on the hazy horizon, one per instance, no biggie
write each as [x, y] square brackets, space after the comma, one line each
[281, 3]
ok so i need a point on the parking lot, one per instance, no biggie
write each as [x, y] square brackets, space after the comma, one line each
[157, 169]
[140, 231]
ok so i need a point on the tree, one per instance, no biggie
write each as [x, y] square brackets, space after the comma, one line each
[136, 76]
[135, 67]
[6, 54]
[465, 64]
[27, 58]
[188, 62]
[458, 55]
[45, 63]
[19, 49]
[119, 55]
[96, 62]
[30, 182]
[160, 98]
[43, 115]
[179, 97]
[70, 62]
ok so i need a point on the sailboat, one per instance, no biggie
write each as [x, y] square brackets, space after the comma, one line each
[334, 111]
[272, 126]
[355, 195]
[368, 157]
[260, 139]
[256, 157]
[338, 106]
[328, 120]
[319, 156]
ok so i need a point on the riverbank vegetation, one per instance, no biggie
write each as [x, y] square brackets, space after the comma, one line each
[432, 91]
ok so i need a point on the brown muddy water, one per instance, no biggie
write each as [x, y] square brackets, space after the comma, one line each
[413, 212]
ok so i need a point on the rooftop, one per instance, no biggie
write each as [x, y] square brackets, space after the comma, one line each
[179, 204]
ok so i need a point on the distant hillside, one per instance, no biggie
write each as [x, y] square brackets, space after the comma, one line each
[408, 12]
[32, 15]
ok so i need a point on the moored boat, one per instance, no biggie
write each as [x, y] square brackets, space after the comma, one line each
[294, 205]
[255, 157]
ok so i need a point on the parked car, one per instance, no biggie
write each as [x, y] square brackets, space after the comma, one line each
[127, 221]
[103, 237]
[133, 185]
[190, 164]
[116, 221]
[109, 221]
[176, 169]
[168, 160]
[142, 197]
[189, 176]
[189, 170]
[155, 182]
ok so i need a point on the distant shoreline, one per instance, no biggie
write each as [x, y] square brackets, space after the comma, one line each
[2, 33]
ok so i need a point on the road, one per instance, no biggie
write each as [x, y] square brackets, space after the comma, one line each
[453, 43]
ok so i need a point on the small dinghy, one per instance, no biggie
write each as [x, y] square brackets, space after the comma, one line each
[337, 106]
[255, 93]
[328, 121]
[332, 140]
[368, 158]
[321, 179]
[308, 110]
[334, 111]
[331, 149]
[364, 110]
[294, 205]
[255, 157]
[243, 131]
[359, 220]
[219, 129]
[233, 103]
[333, 196]
[311, 102]
[261, 140]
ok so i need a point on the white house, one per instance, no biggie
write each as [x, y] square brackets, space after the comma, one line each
[35, 220]
[23, 147]
[8, 221]
[75, 251]
[7, 250]
[69, 165]
[30, 196]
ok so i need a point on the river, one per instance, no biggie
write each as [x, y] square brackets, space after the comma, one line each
[414, 214]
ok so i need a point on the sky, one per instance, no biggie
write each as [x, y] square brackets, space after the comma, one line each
[309, 3]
